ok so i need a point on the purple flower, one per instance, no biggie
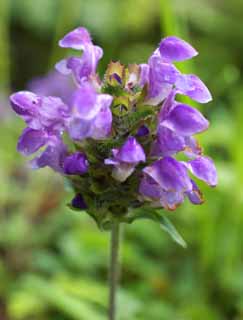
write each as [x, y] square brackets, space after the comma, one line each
[161, 75]
[84, 67]
[125, 159]
[89, 112]
[91, 116]
[166, 182]
[177, 123]
[76, 163]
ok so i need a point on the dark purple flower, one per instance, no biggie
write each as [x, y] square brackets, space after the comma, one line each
[84, 67]
[126, 158]
[91, 116]
[76, 163]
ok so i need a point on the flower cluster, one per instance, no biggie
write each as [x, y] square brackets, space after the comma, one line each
[118, 139]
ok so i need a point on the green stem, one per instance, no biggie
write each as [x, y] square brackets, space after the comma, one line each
[114, 269]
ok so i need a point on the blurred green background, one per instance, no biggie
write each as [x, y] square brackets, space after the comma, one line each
[53, 262]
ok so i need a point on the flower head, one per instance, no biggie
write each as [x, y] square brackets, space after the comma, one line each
[116, 139]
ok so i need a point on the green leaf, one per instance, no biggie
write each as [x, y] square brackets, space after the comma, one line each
[167, 226]
[153, 214]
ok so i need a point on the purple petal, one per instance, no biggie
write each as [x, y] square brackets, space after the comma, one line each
[102, 123]
[144, 74]
[76, 163]
[99, 126]
[79, 129]
[192, 147]
[193, 87]
[167, 106]
[31, 140]
[167, 143]
[24, 103]
[195, 196]
[62, 67]
[52, 157]
[175, 49]
[85, 102]
[122, 171]
[171, 200]
[152, 191]
[204, 169]
[185, 120]
[162, 72]
[53, 113]
[149, 188]
[76, 39]
[78, 202]
[170, 174]
[131, 152]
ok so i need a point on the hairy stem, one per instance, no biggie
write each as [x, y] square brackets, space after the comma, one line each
[114, 269]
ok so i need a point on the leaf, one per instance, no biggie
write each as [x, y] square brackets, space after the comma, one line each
[167, 226]
[153, 214]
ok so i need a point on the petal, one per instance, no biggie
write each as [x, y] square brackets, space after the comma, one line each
[167, 143]
[76, 39]
[102, 124]
[204, 169]
[168, 105]
[149, 188]
[170, 174]
[192, 147]
[195, 196]
[76, 163]
[79, 129]
[122, 171]
[144, 74]
[161, 71]
[85, 102]
[62, 67]
[53, 113]
[25, 103]
[52, 157]
[176, 49]
[185, 120]
[193, 87]
[31, 140]
[157, 92]
[171, 200]
[131, 152]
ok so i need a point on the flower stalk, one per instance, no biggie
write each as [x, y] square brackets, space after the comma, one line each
[114, 269]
